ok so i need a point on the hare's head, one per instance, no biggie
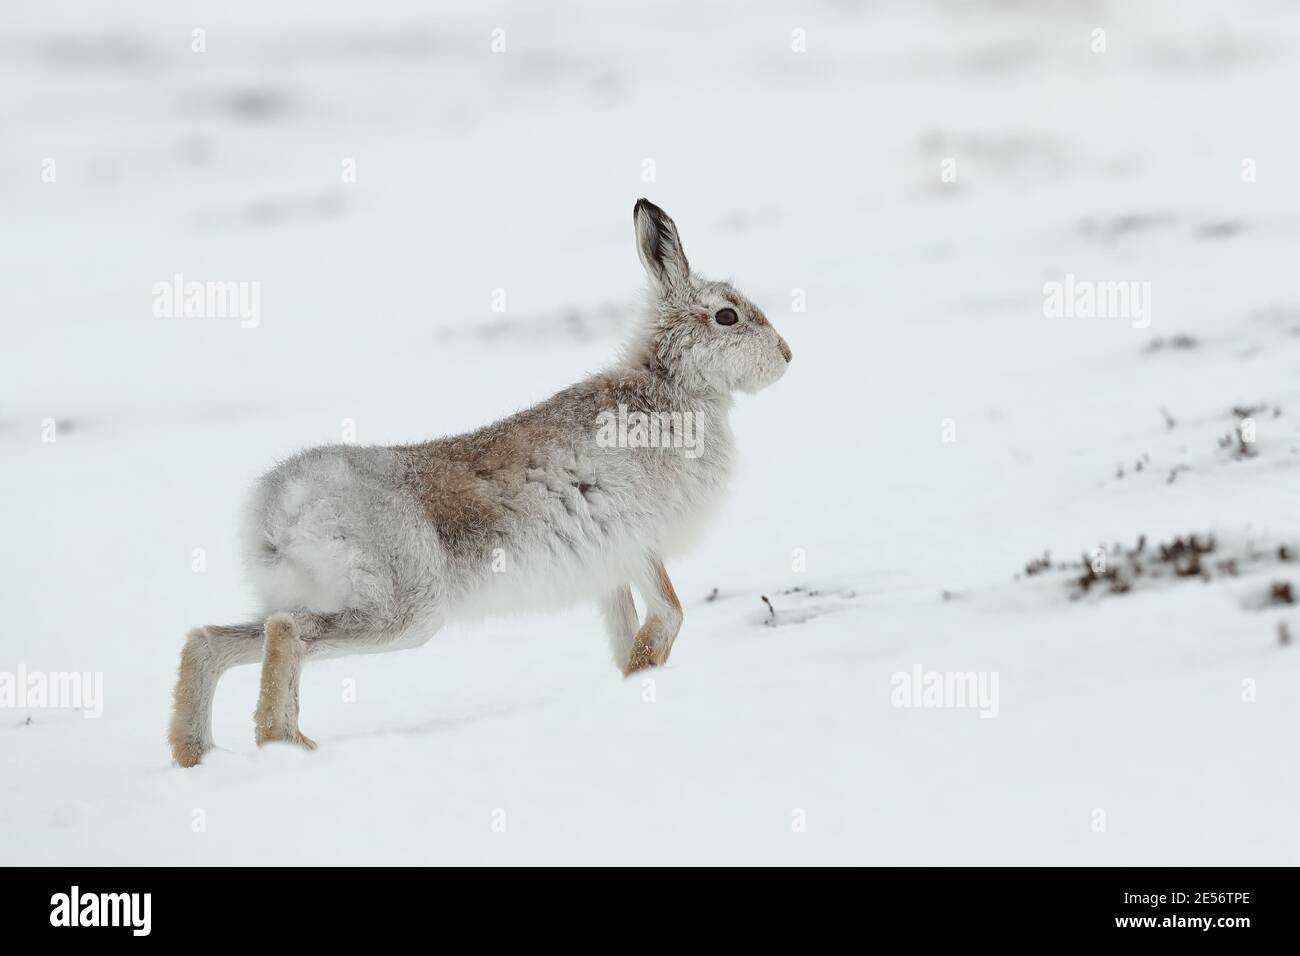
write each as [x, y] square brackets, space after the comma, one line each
[706, 334]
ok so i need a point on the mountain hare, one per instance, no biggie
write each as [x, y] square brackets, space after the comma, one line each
[358, 550]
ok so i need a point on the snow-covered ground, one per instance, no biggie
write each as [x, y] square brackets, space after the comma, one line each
[1155, 726]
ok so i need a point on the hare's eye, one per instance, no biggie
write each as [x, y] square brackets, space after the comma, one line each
[727, 317]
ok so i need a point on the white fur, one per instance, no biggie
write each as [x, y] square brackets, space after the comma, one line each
[375, 548]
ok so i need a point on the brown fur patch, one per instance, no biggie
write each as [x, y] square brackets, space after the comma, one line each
[451, 499]
[467, 485]
[455, 482]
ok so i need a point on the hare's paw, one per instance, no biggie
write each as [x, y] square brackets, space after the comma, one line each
[651, 645]
[273, 727]
[280, 734]
[188, 751]
[643, 653]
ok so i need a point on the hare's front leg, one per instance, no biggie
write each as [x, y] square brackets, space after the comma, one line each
[621, 624]
[276, 717]
[649, 645]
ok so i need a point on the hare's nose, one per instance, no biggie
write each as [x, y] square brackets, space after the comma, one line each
[785, 349]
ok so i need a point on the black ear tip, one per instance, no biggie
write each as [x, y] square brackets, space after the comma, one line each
[644, 205]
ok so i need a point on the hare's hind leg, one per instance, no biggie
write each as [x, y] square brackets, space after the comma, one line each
[276, 717]
[209, 652]
[294, 639]
[651, 644]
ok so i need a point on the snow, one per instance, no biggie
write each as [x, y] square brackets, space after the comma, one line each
[515, 740]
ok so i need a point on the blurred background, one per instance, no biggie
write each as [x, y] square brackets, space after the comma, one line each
[435, 206]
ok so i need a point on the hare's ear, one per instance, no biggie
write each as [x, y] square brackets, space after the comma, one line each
[659, 247]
